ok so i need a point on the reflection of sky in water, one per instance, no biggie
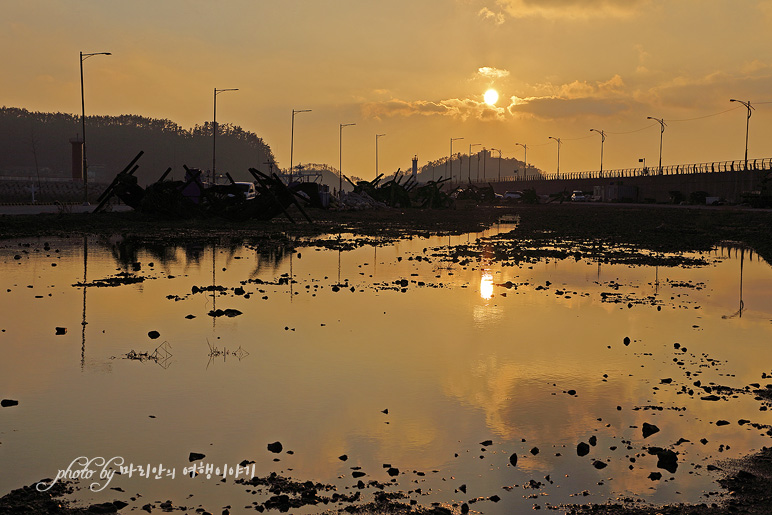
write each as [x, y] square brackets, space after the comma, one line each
[454, 366]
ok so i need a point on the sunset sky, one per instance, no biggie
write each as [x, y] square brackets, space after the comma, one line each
[416, 71]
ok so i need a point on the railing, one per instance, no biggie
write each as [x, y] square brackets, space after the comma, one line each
[716, 167]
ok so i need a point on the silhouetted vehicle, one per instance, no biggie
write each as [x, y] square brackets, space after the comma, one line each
[513, 195]
[247, 188]
[579, 196]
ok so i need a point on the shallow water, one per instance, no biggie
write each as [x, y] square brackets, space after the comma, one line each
[455, 356]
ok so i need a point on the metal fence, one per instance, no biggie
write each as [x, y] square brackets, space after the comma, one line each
[648, 171]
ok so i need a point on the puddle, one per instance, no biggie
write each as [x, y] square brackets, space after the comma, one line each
[426, 368]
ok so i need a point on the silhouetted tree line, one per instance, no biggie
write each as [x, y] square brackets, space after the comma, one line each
[34, 143]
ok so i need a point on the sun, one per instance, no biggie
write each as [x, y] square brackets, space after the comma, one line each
[491, 97]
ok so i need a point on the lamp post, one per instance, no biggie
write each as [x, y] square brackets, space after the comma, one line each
[662, 125]
[450, 161]
[470, 159]
[214, 131]
[376, 153]
[84, 170]
[525, 158]
[340, 156]
[499, 151]
[749, 107]
[558, 140]
[292, 137]
[602, 140]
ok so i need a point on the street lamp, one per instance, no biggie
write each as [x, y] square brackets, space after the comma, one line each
[470, 160]
[340, 169]
[749, 107]
[84, 170]
[214, 130]
[662, 125]
[292, 137]
[558, 140]
[499, 151]
[450, 161]
[525, 158]
[376, 153]
[602, 140]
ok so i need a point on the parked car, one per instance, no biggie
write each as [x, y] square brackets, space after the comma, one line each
[513, 195]
[579, 196]
[247, 188]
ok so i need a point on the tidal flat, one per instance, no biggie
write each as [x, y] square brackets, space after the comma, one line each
[597, 359]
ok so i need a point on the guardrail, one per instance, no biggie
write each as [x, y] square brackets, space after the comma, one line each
[715, 167]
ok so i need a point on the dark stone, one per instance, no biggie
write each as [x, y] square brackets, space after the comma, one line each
[655, 476]
[666, 459]
[626, 341]
[358, 473]
[599, 464]
[535, 451]
[393, 472]
[342, 457]
[593, 440]
[711, 398]
[7, 403]
[462, 488]
[61, 330]
[722, 422]
[486, 443]
[649, 429]
[582, 449]
[275, 447]
[513, 459]
[195, 456]
[153, 334]
[495, 498]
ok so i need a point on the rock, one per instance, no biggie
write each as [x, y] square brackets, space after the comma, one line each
[275, 447]
[190, 317]
[582, 449]
[655, 476]
[486, 443]
[535, 451]
[61, 330]
[358, 473]
[494, 498]
[7, 403]
[666, 459]
[385, 412]
[599, 464]
[153, 334]
[593, 440]
[343, 457]
[711, 398]
[649, 429]
[513, 459]
[195, 456]
[722, 422]
[393, 471]
[462, 488]
[626, 341]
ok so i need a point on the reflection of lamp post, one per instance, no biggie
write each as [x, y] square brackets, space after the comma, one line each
[376, 153]
[558, 140]
[525, 158]
[214, 129]
[450, 161]
[748, 106]
[292, 137]
[470, 160]
[602, 140]
[84, 171]
[662, 125]
[340, 169]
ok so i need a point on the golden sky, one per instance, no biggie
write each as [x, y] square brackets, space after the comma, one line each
[415, 70]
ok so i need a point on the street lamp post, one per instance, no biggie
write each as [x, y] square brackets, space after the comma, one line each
[499, 151]
[525, 158]
[84, 171]
[602, 140]
[376, 153]
[214, 131]
[662, 125]
[340, 156]
[292, 137]
[558, 140]
[450, 161]
[470, 160]
[749, 107]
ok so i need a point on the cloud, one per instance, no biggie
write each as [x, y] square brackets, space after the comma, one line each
[463, 109]
[561, 108]
[492, 73]
[487, 14]
[577, 9]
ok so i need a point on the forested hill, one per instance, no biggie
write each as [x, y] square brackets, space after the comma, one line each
[34, 143]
